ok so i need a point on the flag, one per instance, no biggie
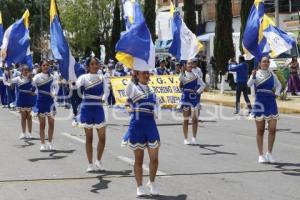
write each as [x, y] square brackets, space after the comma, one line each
[185, 44]
[60, 47]
[1, 29]
[15, 46]
[262, 37]
[135, 49]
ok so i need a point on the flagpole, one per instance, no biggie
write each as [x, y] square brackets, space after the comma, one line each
[176, 3]
[277, 12]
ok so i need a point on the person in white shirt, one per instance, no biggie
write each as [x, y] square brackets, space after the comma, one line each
[265, 107]
[192, 87]
[25, 100]
[47, 88]
[91, 114]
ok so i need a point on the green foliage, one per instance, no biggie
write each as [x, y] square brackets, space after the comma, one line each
[116, 29]
[13, 10]
[190, 15]
[150, 16]
[244, 13]
[223, 43]
[88, 24]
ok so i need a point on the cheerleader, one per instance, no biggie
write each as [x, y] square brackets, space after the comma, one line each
[143, 133]
[46, 89]
[265, 107]
[91, 114]
[25, 100]
[192, 88]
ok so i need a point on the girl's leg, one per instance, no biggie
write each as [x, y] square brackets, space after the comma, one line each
[23, 121]
[185, 127]
[272, 134]
[42, 121]
[89, 144]
[260, 126]
[138, 166]
[101, 143]
[195, 115]
[29, 122]
[153, 155]
[51, 128]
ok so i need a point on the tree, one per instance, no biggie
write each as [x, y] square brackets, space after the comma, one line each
[116, 29]
[88, 24]
[18, 8]
[244, 13]
[190, 15]
[150, 16]
[223, 44]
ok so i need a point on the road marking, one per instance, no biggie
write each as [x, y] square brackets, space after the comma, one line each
[18, 115]
[121, 158]
[146, 168]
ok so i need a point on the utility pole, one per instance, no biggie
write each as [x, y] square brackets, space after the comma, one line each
[176, 3]
[42, 30]
[277, 12]
[290, 6]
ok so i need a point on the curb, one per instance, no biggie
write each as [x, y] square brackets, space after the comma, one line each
[281, 109]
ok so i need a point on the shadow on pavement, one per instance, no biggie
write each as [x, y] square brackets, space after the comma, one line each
[103, 184]
[165, 197]
[287, 166]
[52, 155]
[213, 152]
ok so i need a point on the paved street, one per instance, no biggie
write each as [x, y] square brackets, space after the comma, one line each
[223, 166]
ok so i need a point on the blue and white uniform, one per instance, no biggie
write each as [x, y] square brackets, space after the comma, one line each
[265, 107]
[192, 87]
[95, 90]
[142, 132]
[25, 98]
[47, 88]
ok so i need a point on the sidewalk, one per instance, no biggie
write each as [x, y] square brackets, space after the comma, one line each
[290, 106]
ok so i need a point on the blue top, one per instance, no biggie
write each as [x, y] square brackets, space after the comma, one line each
[241, 72]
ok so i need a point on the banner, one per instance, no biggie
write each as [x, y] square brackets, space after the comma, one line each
[166, 88]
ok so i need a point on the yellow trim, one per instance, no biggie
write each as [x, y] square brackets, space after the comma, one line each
[257, 2]
[26, 18]
[266, 22]
[200, 45]
[172, 9]
[53, 10]
[1, 22]
[126, 59]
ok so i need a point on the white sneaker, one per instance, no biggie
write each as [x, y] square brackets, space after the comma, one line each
[153, 188]
[99, 166]
[90, 168]
[28, 136]
[269, 157]
[262, 159]
[43, 147]
[186, 142]
[22, 136]
[140, 191]
[193, 141]
[50, 146]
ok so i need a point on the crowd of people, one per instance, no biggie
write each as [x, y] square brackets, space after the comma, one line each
[38, 91]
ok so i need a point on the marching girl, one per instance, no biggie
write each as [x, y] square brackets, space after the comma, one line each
[265, 107]
[91, 115]
[142, 132]
[46, 89]
[25, 100]
[192, 87]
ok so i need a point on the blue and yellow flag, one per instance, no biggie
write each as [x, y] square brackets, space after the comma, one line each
[262, 37]
[135, 49]
[60, 47]
[1, 30]
[16, 46]
[185, 44]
